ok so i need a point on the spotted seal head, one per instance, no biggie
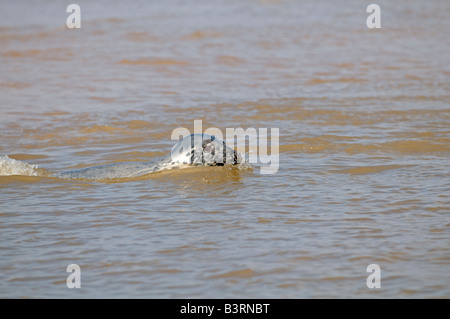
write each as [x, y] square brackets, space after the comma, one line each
[202, 149]
[194, 149]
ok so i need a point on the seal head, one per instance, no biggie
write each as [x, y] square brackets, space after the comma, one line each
[202, 149]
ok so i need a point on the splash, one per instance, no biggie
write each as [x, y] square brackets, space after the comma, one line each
[10, 166]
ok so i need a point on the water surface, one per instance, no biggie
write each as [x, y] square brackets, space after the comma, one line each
[364, 149]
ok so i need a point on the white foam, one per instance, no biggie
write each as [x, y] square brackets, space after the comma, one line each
[10, 166]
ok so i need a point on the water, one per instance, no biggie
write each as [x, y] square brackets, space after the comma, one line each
[364, 149]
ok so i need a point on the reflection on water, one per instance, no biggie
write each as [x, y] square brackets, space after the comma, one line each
[364, 145]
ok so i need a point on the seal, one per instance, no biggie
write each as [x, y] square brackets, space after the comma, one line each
[192, 150]
[202, 149]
